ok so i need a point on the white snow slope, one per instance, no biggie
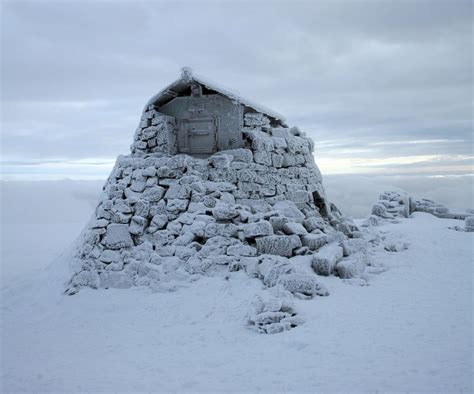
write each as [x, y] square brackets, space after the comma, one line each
[409, 330]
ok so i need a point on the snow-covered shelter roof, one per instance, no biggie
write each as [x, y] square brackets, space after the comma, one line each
[187, 77]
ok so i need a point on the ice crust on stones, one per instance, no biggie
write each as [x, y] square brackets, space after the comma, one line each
[397, 204]
[166, 217]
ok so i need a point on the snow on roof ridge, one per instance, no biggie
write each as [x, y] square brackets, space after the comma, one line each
[187, 75]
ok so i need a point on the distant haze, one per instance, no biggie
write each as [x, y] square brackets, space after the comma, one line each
[382, 87]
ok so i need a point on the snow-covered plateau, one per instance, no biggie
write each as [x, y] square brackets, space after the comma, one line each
[405, 326]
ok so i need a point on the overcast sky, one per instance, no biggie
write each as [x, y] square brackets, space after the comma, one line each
[381, 86]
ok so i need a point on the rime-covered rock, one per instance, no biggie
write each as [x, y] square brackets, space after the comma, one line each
[117, 237]
[258, 229]
[302, 284]
[325, 260]
[291, 228]
[352, 266]
[280, 245]
[289, 210]
[314, 241]
[272, 267]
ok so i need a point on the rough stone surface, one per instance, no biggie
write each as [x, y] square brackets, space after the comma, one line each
[164, 215]
[275, 244]
[325, 260]
[303, 284]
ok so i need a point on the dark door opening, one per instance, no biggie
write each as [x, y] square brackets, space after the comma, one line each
[320, 204]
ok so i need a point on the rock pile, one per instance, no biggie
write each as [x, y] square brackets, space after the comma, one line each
[394, 204]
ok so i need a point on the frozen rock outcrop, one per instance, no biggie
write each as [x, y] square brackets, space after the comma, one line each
[397, 204]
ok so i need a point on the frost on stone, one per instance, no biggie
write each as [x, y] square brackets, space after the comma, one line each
[117, 236]
[165, 217]
[304, 285]
[397, 204]
[271, 268]
[352, 266]
[325, 260]
[271, 315]
[469, 224]
[275, 244]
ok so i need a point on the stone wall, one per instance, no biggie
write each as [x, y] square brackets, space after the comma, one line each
[163, 216]
[156, 133]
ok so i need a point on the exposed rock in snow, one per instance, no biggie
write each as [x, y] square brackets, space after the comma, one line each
[273, 315]
[394, 204]
[275, 244]
[325, 260]
[352, 266]
[302, 284]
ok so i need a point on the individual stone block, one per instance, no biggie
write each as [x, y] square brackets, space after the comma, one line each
[176, 205]
[314, 223]
[153, 194]
[302, 284]
[263, 157]
[271, 268]
[137, 225]
[122, 206]
[241, 250]
[289, 210]
[297, 196]
[314, 241]
[295, 241]
[220, 160]
[277, 160]
[275, 244]
[294, 228]
[325, 260]
[178, 192]
[241, 155]
[224, 211]
[99, 223]
[137, 186]
[352, 266]
[278, 222]
[142, 208]
[117, 237]
[257, 229]
[109, 256]
[149, 172]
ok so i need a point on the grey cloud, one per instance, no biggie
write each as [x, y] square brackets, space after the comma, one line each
[76, 74]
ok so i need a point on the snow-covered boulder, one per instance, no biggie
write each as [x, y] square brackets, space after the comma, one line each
[325, 260]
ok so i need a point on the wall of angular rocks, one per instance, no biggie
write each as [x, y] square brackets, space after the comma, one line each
[156, 133]
[164, 217]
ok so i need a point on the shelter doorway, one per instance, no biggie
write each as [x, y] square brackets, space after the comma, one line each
[197, 135]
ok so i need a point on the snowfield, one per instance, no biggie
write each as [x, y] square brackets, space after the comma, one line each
[409, 329]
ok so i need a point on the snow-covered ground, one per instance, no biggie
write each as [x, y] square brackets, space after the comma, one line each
[410, 329]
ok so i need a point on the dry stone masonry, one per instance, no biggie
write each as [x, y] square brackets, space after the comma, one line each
[166, 216]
